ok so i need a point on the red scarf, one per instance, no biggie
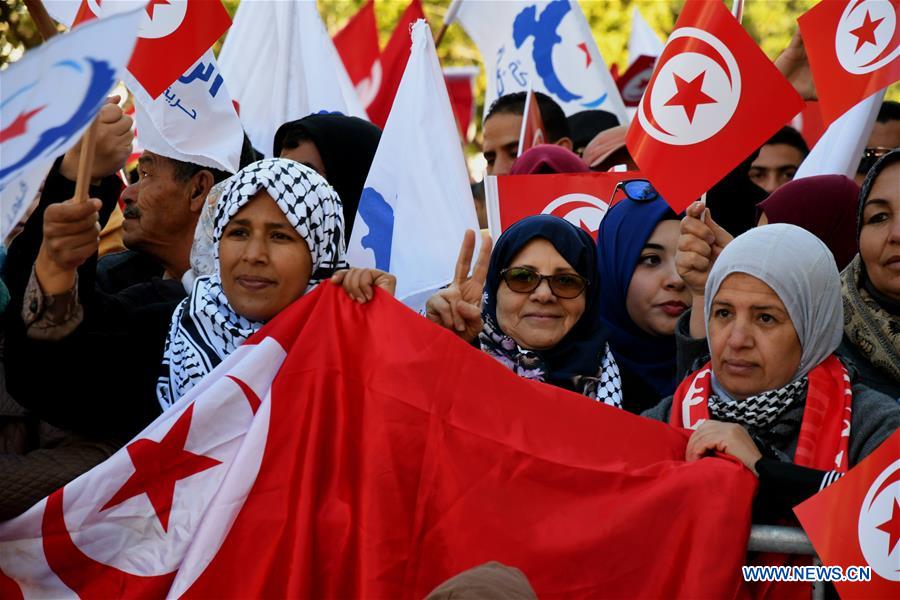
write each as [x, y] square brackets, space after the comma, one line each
[822, 444]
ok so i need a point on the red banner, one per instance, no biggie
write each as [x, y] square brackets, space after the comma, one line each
[357, 44]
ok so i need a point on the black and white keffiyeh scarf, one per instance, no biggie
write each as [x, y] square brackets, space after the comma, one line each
[605, 387]
[763, 414]
[204, 328]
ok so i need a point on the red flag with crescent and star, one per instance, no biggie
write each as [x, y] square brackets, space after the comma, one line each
[856, 522]
[854, 50]
[173, 35]
[580, 198]
[713, 99]
[339, 454]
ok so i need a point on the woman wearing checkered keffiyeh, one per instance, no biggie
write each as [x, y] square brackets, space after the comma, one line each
[277, 233]
[773, 393]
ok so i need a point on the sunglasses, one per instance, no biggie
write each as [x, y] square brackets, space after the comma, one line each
[639, 190]
[870, 157]
[525, 280]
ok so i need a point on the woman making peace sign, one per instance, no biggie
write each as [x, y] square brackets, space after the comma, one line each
[539, 312]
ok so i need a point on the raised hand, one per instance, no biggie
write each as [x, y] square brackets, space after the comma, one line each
[71, 236]
[700, 243]
[113, 143]
[794, 65]
[458, 306]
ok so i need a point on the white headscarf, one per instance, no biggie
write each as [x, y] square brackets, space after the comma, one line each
[204, 328]
[800, 268]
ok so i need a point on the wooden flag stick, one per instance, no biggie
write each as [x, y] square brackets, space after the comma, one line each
[440, 35]
[85, 163]
[45, 25]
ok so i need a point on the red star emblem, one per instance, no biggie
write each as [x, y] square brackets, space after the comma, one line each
[690, 95]
[865, 33]
[159, 465]
[18, 127]
[892, 527]
[152, 5]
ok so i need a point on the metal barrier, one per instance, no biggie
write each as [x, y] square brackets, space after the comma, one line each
[786, 540]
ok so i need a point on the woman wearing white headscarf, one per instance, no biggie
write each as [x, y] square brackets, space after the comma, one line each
[277, 232]
[772, 393]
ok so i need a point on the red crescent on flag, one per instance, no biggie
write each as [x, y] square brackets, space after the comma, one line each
[85, 576]
[892, 478]
[252, 398]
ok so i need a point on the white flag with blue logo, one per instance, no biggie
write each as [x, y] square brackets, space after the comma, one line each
[281, 65]
[417, 202]
[841, 147]
[546, 41]
[50, 96]
[194, 120]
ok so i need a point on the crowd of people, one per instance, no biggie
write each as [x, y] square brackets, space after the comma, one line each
[739, 317]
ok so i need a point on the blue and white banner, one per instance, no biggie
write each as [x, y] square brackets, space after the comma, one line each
[281, 65]
[548, 42]
[417, 202]
[194, 120]
[50, 97]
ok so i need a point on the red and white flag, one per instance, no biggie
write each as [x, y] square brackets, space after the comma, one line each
[532, 132]
[854, 50]
[633, 82]
[173, 35]
[580, 198]
[856, 522]
[357, 43]
[460, 86]
[713, 99]
[370, 469]
[393, 63]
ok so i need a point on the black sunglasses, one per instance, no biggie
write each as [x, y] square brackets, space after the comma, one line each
[525, 280]
[639, 190]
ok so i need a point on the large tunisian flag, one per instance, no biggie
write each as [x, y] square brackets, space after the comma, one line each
[713, 99]
[339, 454]
[172, 37]
[854, 50]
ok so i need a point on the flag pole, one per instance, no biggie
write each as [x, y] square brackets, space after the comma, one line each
[449, 18]
[737, 9]
[85, 163]
[45, 25]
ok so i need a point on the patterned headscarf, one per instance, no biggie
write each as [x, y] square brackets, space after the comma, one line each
[205, 329]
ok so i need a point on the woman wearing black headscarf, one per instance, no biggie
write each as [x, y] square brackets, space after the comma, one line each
[870, 285]
[539, 312]
[337, 147]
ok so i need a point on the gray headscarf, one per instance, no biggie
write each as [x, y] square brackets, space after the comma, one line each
[800, 268]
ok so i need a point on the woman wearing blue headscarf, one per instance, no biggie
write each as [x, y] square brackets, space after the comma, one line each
[641, 293]
[539, 311]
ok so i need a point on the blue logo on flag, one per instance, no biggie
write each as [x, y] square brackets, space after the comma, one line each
[102, 78]
[543, 30]
[379, 217]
